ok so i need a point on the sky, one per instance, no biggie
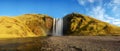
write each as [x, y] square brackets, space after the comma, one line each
[105, 10]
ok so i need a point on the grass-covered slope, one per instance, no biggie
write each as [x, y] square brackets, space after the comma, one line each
[39, 24]
[78, 24]
[28, 25]
[11, 28]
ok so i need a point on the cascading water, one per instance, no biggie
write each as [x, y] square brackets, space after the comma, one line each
[57, 27]
[54, 26]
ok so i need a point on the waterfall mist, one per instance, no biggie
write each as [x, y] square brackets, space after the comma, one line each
[57, 27]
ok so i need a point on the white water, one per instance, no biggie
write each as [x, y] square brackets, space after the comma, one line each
[57, 27]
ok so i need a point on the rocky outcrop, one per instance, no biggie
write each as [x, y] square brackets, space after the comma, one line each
[28, 25]
[78, 24]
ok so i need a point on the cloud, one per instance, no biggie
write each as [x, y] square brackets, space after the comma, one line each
[91, 1]
[112, 20]
[116, 2]
[83, 2]
[114, 5]
[114, 8]
[100, 13]
[116, 22]
[105, 11]
[109, 18]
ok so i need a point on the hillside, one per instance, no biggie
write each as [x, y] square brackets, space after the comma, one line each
[39, 24]
[31, 25]
[28, 25]
[78, 24]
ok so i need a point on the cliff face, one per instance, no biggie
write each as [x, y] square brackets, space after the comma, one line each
[28, 25]
[78, 24]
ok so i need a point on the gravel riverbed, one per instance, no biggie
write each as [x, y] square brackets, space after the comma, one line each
[62, 43]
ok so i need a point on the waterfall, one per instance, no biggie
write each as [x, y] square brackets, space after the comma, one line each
[54, 26]
[57, 27]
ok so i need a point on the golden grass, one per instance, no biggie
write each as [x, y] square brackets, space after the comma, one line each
[86, 25]
[28, 25]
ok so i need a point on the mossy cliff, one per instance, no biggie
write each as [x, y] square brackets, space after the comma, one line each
[78, 24]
